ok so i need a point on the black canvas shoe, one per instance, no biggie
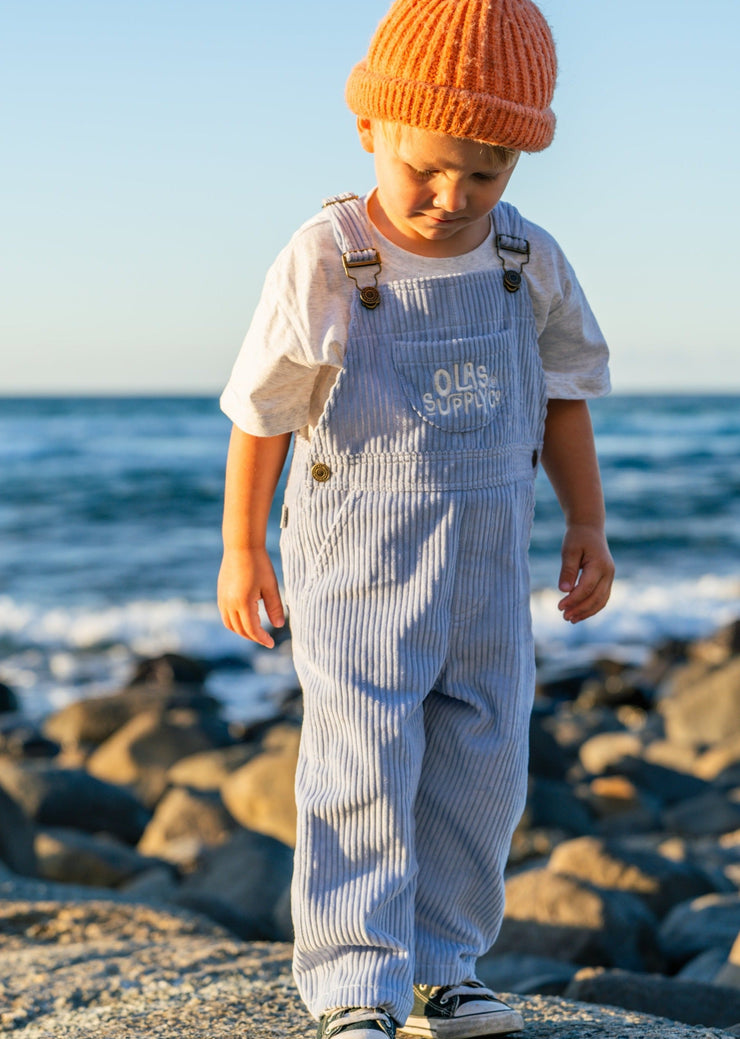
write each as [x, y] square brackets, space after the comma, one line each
[357, 1023]
[460, 1011]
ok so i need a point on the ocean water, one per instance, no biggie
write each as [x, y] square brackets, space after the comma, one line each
[110, 541]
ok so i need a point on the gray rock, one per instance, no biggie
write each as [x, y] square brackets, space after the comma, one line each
[524, 973]
[690, 1002]
[729, 973]
[658, 881]
[139, 754]
[567, 919]
[8, 699]
[607, 749]
[260, 795]
[16, 837]
[169, 670]
[706, 967]
[666, 784]
[21, 738]
[184, 823]
[553, 805]
[211, 768]
[244, 881]
[73, 857]
[701, 704]
[70, 797]
[712, 813]
[712, 921]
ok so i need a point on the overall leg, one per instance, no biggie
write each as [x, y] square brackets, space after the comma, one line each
[369, 639]
[473, 784]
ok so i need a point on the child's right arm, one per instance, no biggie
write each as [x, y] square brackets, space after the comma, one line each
[247, 576]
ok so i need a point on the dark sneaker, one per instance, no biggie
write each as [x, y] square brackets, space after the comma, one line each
[460, 1011]
[357, 1023]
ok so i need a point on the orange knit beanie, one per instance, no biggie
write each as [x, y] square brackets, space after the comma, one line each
[478, 69]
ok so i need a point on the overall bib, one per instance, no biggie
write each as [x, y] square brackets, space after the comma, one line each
[407, 580]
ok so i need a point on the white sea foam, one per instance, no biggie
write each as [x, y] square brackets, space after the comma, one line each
[51, 657]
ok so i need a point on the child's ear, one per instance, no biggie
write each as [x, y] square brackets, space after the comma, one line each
[365, 130]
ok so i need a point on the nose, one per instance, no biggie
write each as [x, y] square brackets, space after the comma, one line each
[450, 196]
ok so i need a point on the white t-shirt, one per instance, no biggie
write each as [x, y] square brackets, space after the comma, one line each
[295, 345]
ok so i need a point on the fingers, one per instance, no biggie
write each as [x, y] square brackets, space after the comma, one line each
[586, 576]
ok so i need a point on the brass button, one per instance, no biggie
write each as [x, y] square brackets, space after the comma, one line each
[320, 472]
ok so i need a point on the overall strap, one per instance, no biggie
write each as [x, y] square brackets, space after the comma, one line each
[511, 245]
[360, 258]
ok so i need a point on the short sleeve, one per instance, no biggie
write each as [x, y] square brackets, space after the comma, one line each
[297, 334]
[574, 353]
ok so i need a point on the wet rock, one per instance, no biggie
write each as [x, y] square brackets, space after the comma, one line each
[70, 797]
[16, 837]
[614, 865]
[567, 919]
[139, 754]
[74, 857]
[260, 794]
[690, 1002]
[184, 823]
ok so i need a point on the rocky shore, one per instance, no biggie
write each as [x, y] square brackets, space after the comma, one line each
[146, 851]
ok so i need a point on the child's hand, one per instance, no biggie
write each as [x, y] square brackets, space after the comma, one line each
[586, 574]
[246, 577]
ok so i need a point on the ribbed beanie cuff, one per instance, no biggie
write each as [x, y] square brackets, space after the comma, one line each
[478, 69]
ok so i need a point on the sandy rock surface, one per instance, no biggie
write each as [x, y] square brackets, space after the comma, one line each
[104, 968]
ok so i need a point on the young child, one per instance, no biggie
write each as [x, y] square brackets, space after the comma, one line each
[428, 349]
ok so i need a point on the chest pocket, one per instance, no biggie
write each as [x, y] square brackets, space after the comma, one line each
[459, 385]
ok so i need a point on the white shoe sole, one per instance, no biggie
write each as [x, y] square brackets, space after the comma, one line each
[497, 1023]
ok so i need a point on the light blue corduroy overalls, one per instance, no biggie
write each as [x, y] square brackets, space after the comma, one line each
[406, 575]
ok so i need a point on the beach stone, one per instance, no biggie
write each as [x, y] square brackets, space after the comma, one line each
[241, 884]
[524, 973]
[676, 756]
[690, 1002]
[666, 784]
[571, 728]
[209, 769]
[712, 813]
[70, 797]
[611, 864]
[729, 972]
[546, 757]
[706, 967]
[711, 921]
[156, 884]
[607, 749]
[16, 837]
[168, 670]
[261, 794]
[565, 918]
[74, 857]
[140, 753]
[554, 805]
[8, 700]
[720, 760]
[720, 647]
[20, 738]
[92, 721]
[184, 823]
[701, 705]
[619, 806]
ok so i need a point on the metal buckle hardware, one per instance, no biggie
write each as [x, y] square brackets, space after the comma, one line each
[369, 294]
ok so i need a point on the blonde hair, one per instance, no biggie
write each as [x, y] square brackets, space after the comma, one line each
[497, 156]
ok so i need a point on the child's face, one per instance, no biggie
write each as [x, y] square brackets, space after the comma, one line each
[435, 192]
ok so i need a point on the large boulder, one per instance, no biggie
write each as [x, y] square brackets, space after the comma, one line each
[701, 705]
[567, 919]
[140, 754]
[73, 857]
[658, 881]
[70, 797]
[692, 1002]
[243, 885]
[16, 837]
[209, 769]
[184, 823]
[260, 795]
[712, 921]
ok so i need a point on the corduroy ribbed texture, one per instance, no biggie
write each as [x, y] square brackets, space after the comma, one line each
[412, 636]
[478, 69]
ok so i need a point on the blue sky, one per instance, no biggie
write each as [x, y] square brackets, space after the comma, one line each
[156, 156]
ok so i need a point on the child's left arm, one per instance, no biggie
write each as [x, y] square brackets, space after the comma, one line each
[569, 459]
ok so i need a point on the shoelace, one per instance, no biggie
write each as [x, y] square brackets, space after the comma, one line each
[353, 1017]
[465, 988]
